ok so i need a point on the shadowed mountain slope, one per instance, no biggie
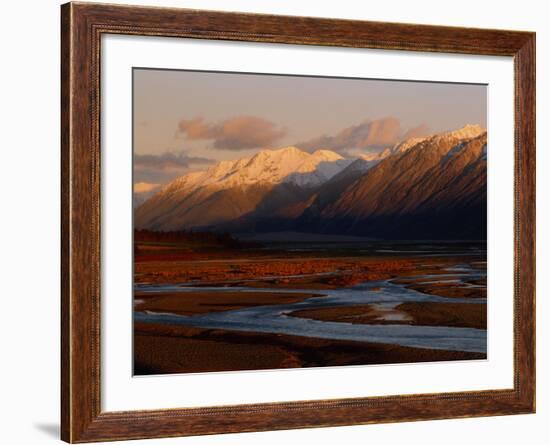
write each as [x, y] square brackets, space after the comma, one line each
[423, 188]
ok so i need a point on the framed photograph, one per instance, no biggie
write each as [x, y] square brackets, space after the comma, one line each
[276, 222]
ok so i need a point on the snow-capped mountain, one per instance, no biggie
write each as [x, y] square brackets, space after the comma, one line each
[467, 132]
[434, 189]
[288, 164]
[242, 183]
[403, 146]
[422, 187]
[318, 168]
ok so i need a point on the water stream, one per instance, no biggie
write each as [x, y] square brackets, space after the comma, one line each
[385, 295]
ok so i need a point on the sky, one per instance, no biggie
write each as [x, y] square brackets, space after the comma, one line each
[189, 120]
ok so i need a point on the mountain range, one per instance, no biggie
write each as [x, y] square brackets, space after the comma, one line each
[422, 188]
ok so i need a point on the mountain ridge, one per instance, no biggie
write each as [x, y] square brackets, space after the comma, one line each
[391, 194]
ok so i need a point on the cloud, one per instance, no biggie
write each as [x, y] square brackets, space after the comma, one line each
[161, 168]
[375, 134]
[237, 133]
[417, 132]
[370, 136]
[197, 129]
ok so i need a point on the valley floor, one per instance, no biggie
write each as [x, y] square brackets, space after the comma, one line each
[254, 308]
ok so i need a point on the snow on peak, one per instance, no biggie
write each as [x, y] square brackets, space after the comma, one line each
[403, 146]
[287, 164]
[467, 132]
[222, 169]
[318, 168]
[326, 155]
[291, 149]
[269, 166]
[377, 156]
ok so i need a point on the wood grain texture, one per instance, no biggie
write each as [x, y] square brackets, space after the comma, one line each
[82, 26]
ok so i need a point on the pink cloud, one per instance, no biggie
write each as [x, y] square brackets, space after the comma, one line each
[237, 133]
[371, 136]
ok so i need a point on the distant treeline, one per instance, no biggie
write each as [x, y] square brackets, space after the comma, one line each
[187, 237]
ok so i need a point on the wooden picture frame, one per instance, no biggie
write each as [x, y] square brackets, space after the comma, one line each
[82, 25]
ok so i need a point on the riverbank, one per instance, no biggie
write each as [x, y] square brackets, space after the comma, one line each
[168, 349]
[203, 302]
[463, 315]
